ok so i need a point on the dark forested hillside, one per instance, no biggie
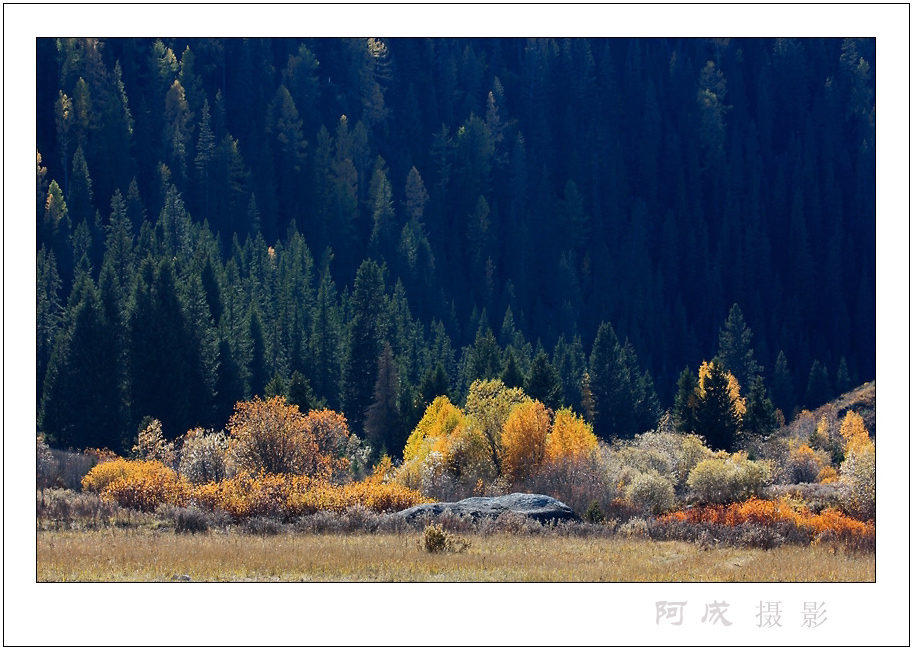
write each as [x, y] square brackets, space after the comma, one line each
[369, 223]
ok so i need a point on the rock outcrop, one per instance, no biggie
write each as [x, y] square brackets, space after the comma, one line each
[543, 508]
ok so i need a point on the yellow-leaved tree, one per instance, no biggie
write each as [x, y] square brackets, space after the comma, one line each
[523, 440]
[571, 438]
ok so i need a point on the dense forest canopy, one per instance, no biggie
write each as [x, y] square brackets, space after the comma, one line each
[366, 224]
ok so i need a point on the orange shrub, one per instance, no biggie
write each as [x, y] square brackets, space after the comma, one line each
[523, 440]
[286, 496]
[98, 478]
[274, 437]
[144, 485]
[769, 513]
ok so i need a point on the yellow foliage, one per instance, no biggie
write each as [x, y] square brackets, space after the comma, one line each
[732, 386]
[287, 496]
[441, 419]
[571, 437]
[104, 473]
[142, 485]
[523, 440]
[853, 431]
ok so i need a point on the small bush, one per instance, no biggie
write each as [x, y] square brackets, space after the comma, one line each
[594, 513]
[204, 457]
[725, 480]
[650, 492]
[435, 541]
[190, 520]
[152, 446]
[262, 526]
[858, 479]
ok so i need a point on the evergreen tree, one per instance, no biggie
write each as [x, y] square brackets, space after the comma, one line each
[844, 382]
[325, 341]
[160, 349]
[782, 390]
[434, 384]
[485, 357]
[257, 369]
[544, 382]
[760, 415]
[612, 386]
[49, 313]
[818, 390]
[229, 388]
[366, 329]
[685, 407]
[300, 393]
[383, 421]
[717, 417]
[82, 404]
[734, 349]
[512, 376]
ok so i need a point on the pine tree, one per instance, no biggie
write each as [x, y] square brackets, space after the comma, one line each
[818, 390]
[544, 383]
[49, 312]
[612, 386]
[760, 415]
[82, 404]
[485, 357]
[300, 393]
[685, 407]
[383, 424]
[718, 417]
[434, 384]
[782, 390]
[734, 350]
[366, 330]
[512, 376]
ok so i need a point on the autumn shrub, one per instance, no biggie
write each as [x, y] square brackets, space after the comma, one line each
[144, 485]
[578, 481]
[436, 540]
[858, 482]
[724, 480]
[783, 515]
[186, 519]
[204, 456]
[98, 478]
[805, 463]
[650, 492]
[287, 497]
[275, 438]
[523, 440]
[151, 445]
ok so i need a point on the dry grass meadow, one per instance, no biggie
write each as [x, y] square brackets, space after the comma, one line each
[126, 554]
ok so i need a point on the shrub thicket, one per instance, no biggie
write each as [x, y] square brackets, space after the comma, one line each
[722, 480]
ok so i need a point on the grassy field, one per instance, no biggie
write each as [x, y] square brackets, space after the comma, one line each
[141, 555]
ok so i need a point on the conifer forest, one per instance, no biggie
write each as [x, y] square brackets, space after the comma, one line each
[365, 224]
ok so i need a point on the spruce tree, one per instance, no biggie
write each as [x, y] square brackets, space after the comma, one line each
[685, 406]
[366, 330]
[544, 383]
[818, 390]
[512, 376]
[760, 416]
[734, 350]
[383, 419]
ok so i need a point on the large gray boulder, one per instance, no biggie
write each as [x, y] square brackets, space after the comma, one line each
[543, 508]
